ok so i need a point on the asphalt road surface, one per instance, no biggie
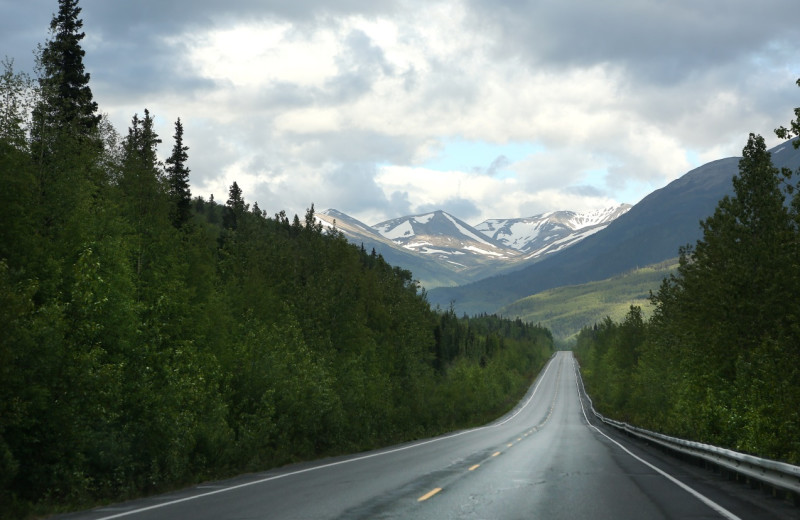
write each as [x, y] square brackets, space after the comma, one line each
[545, 459]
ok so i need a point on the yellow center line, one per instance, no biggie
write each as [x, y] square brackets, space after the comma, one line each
[429, 494]
[510, 444]
[495, 454]
[476, 466]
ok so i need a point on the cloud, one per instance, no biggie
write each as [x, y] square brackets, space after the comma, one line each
[658, 42]
[462, 208]
[495, 108]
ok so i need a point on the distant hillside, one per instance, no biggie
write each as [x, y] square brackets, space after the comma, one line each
[565, 310]
[651, 232]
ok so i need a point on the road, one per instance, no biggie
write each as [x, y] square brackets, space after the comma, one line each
[545, 459]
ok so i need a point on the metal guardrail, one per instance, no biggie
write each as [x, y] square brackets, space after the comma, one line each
[779, 475]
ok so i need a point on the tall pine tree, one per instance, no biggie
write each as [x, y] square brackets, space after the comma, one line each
[65, 147]
[178, 180]
[66, 99]
[234, 208]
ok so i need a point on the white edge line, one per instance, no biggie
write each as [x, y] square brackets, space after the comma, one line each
[707, 501]
[298, 472]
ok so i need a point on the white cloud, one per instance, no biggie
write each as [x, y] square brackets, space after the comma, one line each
[344, 103]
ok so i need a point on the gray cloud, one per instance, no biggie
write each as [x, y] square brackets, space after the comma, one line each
[140, 46]
[585, 190]
[398, 205]
[462, 208]
[352, 145]
[497, 165]
[657, 41]
[359, 66]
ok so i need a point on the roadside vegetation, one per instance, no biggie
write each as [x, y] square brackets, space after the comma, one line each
[718, 360]
[151, 339]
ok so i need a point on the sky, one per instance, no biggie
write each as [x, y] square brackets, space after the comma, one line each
[482, 108]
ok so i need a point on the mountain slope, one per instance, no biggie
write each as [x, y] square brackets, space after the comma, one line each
[566, 310]
[429, 271]
[650, 232]
[550, 232]
[445, 236]
[442, 250]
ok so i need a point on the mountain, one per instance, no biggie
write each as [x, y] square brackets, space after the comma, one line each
[429, 271]
[442, 250]
[444, 236]
[549, 233]
[651, 231]
[438, 248]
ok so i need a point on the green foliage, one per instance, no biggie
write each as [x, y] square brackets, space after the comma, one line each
[178, 178]
[67, 97]
[146, 346]
[717, 361]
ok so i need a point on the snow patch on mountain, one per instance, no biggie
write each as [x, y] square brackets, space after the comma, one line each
[402, 230]
[549, 232]
[437, 242]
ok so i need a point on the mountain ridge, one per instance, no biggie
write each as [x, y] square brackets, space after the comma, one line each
[652, 231]
[550, 232]
[443, 250]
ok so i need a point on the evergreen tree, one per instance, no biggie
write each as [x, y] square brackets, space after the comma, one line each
[67, 100]
[64, 139]
[143, 197]
[234, 208]
[178, 180]
[140, 179]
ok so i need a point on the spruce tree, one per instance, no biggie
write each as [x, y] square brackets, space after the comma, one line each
[178, 180]
[65, 142]
[67, 100]
[234, 208]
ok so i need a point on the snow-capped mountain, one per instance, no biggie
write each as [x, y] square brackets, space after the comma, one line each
[549, 232]
[442, 250]
[444, 236]
[430, 270]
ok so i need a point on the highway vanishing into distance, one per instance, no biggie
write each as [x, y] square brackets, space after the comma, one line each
[545, 459]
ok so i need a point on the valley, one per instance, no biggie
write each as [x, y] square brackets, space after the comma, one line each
[513, 266]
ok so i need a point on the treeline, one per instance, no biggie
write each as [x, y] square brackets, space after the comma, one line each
[719, 360]
[151, 339]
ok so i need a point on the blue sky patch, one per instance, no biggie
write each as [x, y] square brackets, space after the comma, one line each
[481, 157]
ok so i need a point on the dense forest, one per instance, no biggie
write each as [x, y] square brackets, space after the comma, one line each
[719, 359]
[153, 339]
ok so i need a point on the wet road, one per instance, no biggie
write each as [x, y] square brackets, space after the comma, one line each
[545, 459]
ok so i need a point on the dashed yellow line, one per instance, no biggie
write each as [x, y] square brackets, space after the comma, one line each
[473, 468]
[429, 494]
[495, 454]
[510, 444]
